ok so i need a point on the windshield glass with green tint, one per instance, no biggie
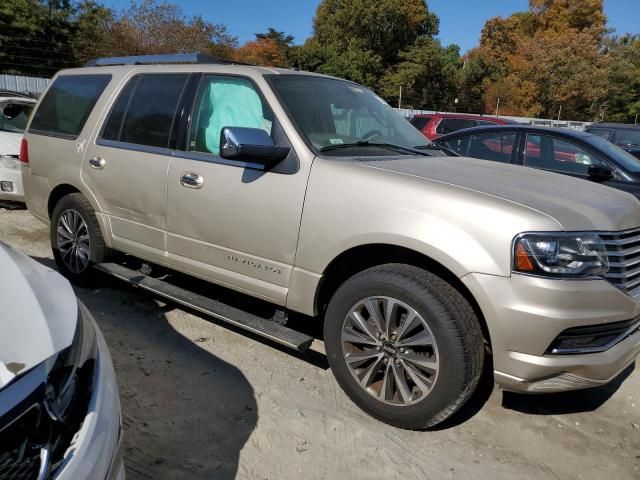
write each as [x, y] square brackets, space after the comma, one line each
[333, 114]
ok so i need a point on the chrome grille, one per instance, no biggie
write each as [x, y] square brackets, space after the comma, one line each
[623, 250]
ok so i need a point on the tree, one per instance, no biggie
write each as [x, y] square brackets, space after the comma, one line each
[35, 36]
[551, 56]
[382, 27]
[263, 51]
[623, 93]
[152, 28]
[428, 73]
[282, 39]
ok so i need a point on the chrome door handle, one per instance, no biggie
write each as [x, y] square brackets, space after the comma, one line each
[191, 180]
[97, 162]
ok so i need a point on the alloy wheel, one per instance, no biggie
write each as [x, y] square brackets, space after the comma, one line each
[390, 350]
[73, 241]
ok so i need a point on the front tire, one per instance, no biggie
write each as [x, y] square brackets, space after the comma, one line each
[404, 345]
[76, 239]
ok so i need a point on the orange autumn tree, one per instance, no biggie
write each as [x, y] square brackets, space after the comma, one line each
[546, 59]
[265, 52]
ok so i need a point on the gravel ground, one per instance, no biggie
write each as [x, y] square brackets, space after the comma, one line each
[201, 401]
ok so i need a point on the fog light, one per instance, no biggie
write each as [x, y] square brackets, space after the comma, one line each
[592, 338]
[6, 186]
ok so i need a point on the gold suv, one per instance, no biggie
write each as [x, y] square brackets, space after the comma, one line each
[311, 193]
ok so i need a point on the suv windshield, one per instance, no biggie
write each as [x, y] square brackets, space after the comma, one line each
[336, 113]
[14, 117]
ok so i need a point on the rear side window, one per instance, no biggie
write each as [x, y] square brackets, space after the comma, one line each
[601, 132]
[448, 125]
[145, 111]
[67, 105]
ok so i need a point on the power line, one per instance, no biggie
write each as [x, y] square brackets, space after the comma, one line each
[35, 49]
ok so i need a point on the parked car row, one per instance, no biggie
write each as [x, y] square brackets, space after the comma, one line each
[579, 154]
[623, 135]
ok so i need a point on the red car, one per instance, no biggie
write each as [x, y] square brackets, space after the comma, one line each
[434, 125]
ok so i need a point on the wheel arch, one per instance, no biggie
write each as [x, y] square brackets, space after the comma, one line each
[362, 257]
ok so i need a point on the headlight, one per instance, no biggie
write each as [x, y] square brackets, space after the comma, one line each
[70, 376]
[560, 254]
[9, 163]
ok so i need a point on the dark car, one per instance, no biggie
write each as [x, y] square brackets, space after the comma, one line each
[434, 125]
[571, 152]
[624, 135]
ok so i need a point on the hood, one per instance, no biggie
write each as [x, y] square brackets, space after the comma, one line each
[38, 313]
[10, 143]
[574, 203]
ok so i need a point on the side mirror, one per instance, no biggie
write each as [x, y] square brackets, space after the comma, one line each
[599, 172]
[250, 144]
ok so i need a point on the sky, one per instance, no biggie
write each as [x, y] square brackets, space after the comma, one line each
[460, 20]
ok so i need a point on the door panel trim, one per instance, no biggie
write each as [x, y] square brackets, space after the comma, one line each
[226, 259]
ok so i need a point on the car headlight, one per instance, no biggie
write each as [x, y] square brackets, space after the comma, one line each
[69, 379]
[560, 254]
[9, 163]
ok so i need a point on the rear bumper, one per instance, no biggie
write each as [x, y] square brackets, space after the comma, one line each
[529, 313]
[96, 451]
[13, 179]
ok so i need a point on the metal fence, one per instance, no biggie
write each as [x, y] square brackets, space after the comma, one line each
[545, 122]
[22, 84]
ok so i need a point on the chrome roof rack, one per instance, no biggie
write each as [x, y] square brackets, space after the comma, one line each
[160, 59]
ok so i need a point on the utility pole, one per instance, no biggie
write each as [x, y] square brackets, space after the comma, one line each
[497, 106]
[400, 98]
[559, 112]
[635, 122]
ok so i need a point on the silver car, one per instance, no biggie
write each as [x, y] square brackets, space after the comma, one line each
[59, 405]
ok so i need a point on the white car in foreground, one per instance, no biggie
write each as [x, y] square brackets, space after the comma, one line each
[15, 109]
[59, 405]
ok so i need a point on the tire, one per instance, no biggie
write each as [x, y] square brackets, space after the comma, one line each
[447, 370]
[73, 209]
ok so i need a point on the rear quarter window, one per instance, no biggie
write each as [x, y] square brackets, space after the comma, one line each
[67, 105]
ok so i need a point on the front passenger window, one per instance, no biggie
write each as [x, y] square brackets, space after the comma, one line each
[226, 102]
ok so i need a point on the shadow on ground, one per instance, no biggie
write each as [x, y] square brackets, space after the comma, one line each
[186, 413]
[576, 401]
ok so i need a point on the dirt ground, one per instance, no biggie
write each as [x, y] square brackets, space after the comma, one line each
[201, 401]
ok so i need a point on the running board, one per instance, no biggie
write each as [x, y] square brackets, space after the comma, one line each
[226, 313]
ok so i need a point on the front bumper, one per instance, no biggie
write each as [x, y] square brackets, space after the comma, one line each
[525, 314]
[96, 450]
[12, 179]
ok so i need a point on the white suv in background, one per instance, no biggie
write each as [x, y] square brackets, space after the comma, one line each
[15, 109]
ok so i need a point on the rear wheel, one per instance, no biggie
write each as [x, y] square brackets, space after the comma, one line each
[404, 345]
[76, 239]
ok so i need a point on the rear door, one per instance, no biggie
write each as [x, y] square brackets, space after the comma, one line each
[126, 167]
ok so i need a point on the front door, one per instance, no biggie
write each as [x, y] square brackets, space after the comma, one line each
[230, 221]
[126, 167]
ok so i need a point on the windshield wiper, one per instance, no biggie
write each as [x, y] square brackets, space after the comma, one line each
[439, 148]
[366, 143]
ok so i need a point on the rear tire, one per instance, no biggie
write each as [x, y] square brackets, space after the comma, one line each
[76, 239]
[404, 345]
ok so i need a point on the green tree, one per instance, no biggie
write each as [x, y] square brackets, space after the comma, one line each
[428, 73]
[623, 92]
[35, 36]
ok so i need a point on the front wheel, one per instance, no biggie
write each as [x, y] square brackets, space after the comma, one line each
[404, 345]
